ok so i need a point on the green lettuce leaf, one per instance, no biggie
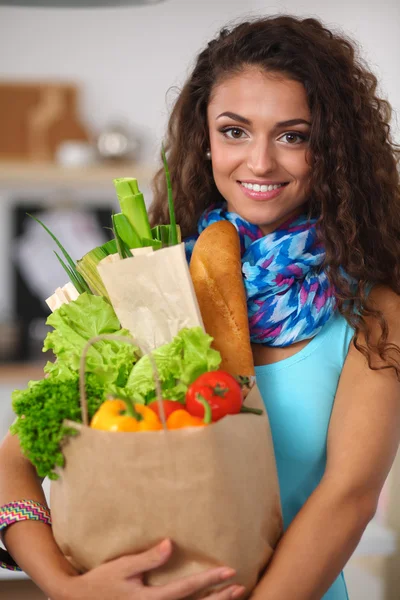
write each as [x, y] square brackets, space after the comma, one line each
[74, 325]
[178, 364]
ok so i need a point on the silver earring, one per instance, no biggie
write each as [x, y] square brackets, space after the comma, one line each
[208, 155]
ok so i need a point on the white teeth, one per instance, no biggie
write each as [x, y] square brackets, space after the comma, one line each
[261, 188]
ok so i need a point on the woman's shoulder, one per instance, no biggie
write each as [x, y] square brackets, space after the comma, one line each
[386, 301]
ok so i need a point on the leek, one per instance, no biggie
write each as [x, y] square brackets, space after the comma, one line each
[132, 227]
[109, 247]
[126, 231]
[123, 249]
[133, 206]
[161, 234]
[87, 267]
[155, 244]
[155, 232]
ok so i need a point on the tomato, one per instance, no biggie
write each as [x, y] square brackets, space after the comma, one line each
[170, 406]
[220, 390]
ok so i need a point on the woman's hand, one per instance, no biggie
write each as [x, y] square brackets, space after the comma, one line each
[122, 579]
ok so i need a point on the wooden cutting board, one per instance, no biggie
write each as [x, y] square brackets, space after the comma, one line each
[35, 117]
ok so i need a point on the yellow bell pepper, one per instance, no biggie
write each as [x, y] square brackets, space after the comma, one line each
[123, 415]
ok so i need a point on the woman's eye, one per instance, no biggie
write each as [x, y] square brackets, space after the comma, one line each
[293, 138]
[234, 133]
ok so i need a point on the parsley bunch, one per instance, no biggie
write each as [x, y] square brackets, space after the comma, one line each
[42, 408]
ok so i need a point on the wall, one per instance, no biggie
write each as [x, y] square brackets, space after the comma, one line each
[128, 58]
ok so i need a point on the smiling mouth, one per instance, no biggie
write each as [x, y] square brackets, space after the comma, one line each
[256, 187]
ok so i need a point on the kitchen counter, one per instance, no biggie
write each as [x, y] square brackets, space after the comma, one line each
[20, 590]
[16, 372]
[15, 376]
[17, 175]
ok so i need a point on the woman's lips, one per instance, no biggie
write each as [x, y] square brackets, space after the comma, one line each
[262, 195]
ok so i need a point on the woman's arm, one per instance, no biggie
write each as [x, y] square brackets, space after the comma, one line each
[30, 543]
[363, 438]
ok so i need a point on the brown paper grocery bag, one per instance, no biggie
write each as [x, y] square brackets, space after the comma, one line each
[213, 491]
[152, 294]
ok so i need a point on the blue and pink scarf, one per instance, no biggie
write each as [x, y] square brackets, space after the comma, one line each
[289, 296]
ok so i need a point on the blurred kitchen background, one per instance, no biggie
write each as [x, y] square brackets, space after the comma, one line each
[84, 98]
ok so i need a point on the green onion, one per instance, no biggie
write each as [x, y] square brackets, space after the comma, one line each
[173, 234]
[72, 272]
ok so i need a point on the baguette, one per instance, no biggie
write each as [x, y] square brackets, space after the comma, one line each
[216, 271]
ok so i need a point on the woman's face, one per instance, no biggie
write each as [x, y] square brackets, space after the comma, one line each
[259, 125]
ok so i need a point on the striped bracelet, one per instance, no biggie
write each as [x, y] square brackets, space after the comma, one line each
[14, 512]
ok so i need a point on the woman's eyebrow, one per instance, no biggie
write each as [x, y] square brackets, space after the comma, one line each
[293, 122]
[235, 117]
[240, 119]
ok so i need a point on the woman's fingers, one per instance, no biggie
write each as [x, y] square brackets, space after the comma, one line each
[193, 583]
[230, 593]
[136, 564]
[129, 569]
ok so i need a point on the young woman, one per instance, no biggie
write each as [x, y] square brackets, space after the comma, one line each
[279, 130]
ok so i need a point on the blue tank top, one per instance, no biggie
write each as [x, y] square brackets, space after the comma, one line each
[298, 393]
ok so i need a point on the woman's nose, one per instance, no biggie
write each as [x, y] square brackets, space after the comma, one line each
[261, 158]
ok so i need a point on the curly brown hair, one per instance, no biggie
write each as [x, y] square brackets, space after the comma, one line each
[354, 178]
